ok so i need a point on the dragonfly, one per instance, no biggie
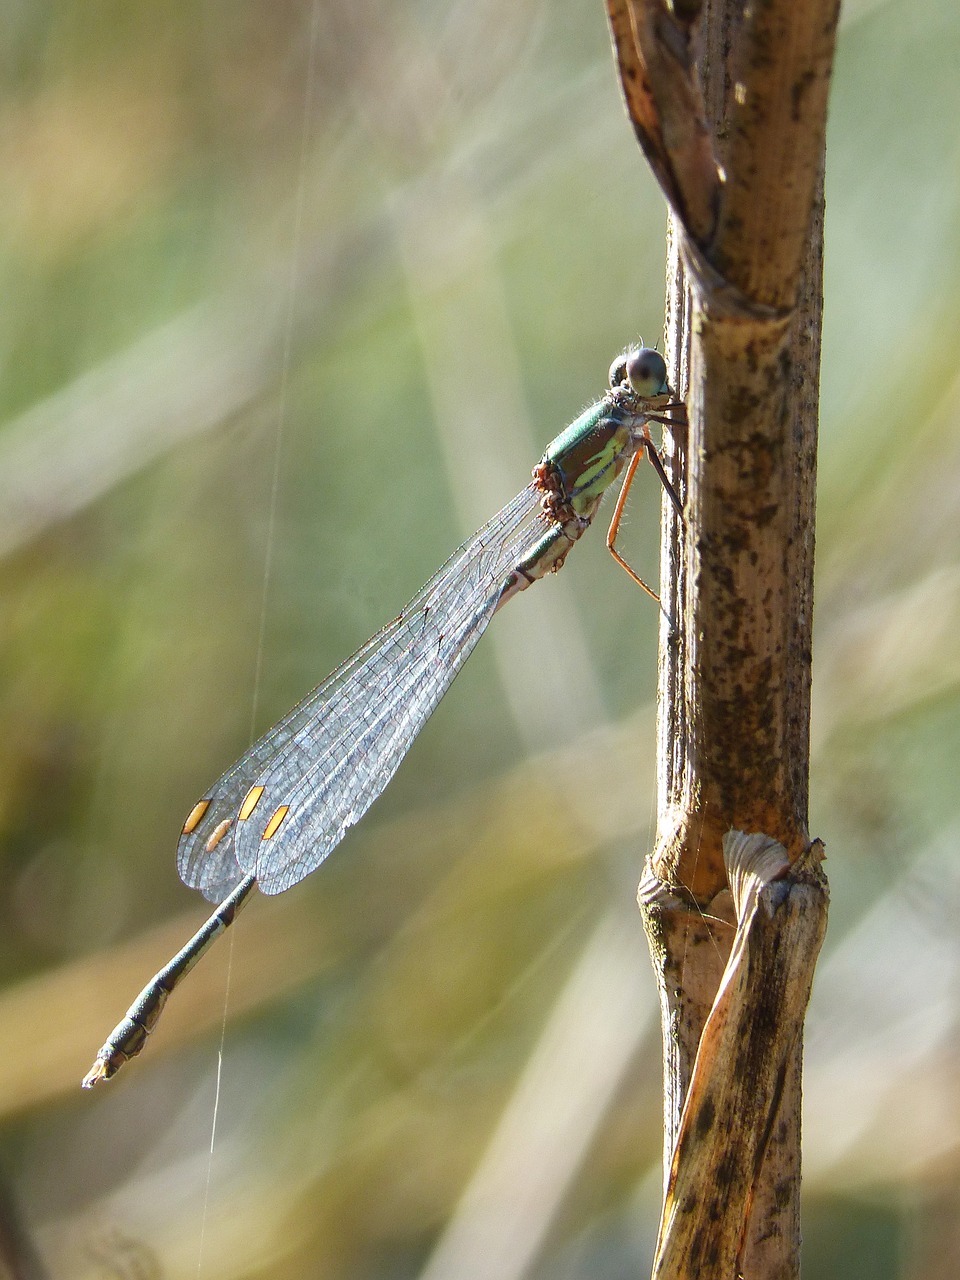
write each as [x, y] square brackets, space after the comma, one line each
[277, 813]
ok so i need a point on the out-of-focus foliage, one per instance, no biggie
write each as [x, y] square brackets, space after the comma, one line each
[294, 295]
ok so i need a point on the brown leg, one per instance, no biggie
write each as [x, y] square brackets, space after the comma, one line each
[651, 451]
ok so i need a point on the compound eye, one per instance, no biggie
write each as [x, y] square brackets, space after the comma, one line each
[618, 371]
[646, 371]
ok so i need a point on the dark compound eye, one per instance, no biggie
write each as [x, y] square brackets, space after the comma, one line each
[618, 370]
[646, 371]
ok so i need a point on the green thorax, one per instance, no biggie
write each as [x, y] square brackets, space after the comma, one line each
[589, 455]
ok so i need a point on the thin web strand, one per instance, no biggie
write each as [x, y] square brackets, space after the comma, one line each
[270, 541]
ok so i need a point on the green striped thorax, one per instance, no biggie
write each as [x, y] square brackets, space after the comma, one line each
[581, 464]
[584, 460]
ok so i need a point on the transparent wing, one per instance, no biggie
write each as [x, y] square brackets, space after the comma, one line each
[333, 754]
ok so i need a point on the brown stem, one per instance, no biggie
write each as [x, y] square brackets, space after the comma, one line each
[744, 310]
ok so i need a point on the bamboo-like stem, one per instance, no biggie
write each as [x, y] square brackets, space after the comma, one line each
[743, 328]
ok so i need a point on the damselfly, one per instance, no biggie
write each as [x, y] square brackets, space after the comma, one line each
[279, 811]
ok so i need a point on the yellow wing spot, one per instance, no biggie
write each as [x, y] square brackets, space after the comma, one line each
[217, 834]
[273, 826]
[195, 816]
[250, 802]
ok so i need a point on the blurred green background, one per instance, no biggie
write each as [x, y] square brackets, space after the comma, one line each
[294, 295]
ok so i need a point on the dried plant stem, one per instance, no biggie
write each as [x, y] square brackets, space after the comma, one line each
[744, 305]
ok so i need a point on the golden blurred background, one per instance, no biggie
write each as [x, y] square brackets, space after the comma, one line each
[294, 295]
